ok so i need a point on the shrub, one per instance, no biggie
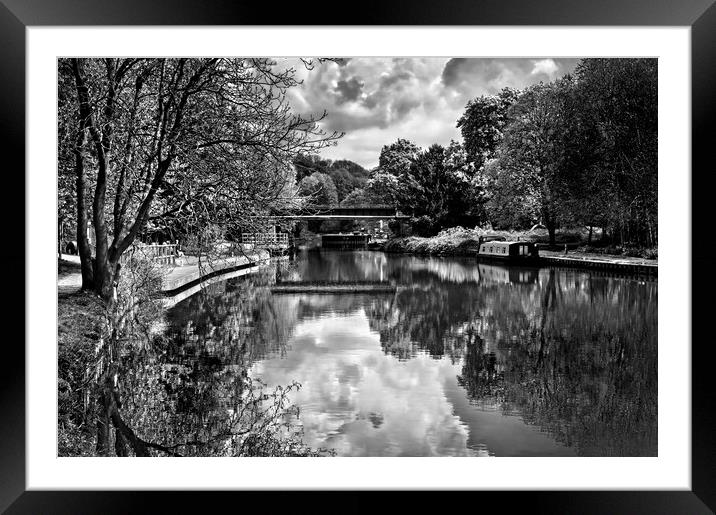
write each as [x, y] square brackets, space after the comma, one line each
[80, 323]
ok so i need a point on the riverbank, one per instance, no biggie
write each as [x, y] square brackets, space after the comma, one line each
[80, 319]
[118, 381]
[465, 242]
[191, 272]
[194, 271]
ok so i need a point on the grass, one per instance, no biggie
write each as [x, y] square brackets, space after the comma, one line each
[79, 328]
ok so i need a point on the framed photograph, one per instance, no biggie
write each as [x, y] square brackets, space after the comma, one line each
[420, 251]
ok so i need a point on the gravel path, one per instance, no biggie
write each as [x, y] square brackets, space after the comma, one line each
[69, 277]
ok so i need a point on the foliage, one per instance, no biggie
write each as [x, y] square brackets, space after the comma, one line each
[346, 175]
[618, 106]
[345, 182]
[320, 189]
[123, 390]
[384, 188]
[437, 186]
[79, 331]
[357, 197]
[483, 123]
[579, 150]
[397, 158]
[307, 164]
[462, 241]
[180, 141]
[534, 155]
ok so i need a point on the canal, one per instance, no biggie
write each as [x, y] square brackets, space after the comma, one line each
[460, 359]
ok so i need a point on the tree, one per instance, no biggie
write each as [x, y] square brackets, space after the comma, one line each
[192, 138]
[442, 189]
[356, 197]
[397, 157]
[308, 164]
[320, 189]
[346, 175]
[384, 189]
[345, 181]
[354, 169]
[66, 196]
[618, 105]
[483, 122]
[534, 156]
[509, 206]
[467, 188]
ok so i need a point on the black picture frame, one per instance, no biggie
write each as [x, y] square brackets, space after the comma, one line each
[700, 15]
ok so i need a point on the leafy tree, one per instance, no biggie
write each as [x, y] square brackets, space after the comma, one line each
[534, 155]
[508, 206]
[346, 175]
[384, 188]
[345, 181]
[483, 122]
[582, 150]
[618, 105]
[397, 158]
[468, 188]
[354, 169]
[439, 189]
[153, 138]
[307, 164]
[356, 197]
[320, 189]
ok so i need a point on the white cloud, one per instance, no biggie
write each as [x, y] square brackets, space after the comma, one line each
[378, 100]
[359, 400]
[545, 66]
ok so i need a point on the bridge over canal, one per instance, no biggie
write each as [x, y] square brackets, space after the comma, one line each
[321, 212]
[278, 242]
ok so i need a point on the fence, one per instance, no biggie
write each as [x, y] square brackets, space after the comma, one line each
[266, 240]
[162, 254]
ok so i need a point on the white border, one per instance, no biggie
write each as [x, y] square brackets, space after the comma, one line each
[671, 470]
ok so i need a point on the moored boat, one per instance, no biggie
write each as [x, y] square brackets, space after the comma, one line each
[518, 251]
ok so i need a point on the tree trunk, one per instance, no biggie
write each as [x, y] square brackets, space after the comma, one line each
[105, 275]
[551, 225]
[60, 237]
[102, 426]
[83, 246]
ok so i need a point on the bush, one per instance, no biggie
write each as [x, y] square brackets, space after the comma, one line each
[652, 253]
[80, 325]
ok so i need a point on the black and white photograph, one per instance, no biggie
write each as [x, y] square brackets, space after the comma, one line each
[357, 256]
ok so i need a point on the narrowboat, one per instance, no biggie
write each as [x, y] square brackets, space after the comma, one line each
[518, 251]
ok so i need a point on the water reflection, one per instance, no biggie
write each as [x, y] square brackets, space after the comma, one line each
[463, 359]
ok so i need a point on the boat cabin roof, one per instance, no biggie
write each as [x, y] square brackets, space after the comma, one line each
[507, 243]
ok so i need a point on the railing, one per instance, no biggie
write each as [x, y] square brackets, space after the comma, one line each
[266, 240]
[162, 254]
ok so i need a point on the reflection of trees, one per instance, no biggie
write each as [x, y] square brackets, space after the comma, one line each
[585, 370]
[426, 317]
[189, 389]
[481, 377]
[432, 314]
[573, 352]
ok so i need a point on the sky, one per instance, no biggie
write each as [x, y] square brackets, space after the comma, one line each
[375, 101]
